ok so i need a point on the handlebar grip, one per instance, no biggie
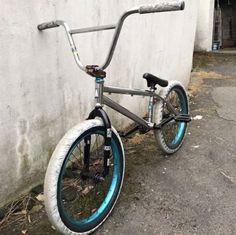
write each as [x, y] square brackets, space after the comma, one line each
[48, 25]
[162, 7]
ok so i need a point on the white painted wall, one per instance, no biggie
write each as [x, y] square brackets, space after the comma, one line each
[204, 34]
[42, 92]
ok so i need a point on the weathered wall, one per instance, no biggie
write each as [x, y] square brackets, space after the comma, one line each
[42, 92]
[204, 34]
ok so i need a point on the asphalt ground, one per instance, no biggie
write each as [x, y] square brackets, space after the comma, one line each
[191, 192]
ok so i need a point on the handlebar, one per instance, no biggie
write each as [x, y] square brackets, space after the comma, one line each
[161, 7]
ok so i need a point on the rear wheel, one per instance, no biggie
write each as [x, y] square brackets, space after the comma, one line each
[170, 136]
[79, 197]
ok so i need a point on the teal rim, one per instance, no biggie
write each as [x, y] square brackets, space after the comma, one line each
[179, 134]
[181, 126]
[111, 189]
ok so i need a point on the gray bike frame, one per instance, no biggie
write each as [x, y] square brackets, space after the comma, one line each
[99, 87]
[102, 99]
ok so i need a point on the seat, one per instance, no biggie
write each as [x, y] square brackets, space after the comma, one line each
[152, 81]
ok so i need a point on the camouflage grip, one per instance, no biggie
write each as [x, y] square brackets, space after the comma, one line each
[48, 25]
[163, 7]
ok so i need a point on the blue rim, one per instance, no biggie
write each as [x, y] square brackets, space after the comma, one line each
[179, 134]
[181, 126]
[111, 189]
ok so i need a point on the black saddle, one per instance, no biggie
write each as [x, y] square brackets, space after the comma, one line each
[152, 81]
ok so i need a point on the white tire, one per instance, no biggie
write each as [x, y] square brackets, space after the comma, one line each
[169, 148]
[53, 174]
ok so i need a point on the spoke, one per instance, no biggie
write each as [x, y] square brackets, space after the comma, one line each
[80, 151]
[74, 156]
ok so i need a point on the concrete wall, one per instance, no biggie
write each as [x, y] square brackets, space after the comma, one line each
[42, 92]
[204, 34]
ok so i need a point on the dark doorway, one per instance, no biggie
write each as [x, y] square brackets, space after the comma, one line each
[225, 23]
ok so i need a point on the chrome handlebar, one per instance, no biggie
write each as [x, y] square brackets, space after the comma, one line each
[161, 7]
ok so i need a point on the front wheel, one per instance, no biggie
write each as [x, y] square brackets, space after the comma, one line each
[78, 196]
[170, 136]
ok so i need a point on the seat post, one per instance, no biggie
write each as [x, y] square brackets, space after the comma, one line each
[150, 105]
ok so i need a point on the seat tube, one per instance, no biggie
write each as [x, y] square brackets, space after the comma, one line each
[99, 84]
[150, 107]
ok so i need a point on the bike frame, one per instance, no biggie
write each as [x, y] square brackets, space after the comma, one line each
[98, 72]
[102, 99]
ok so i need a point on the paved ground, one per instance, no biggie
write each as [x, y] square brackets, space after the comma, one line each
[192, 192]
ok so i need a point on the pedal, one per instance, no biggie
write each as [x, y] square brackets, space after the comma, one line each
[183, 118]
